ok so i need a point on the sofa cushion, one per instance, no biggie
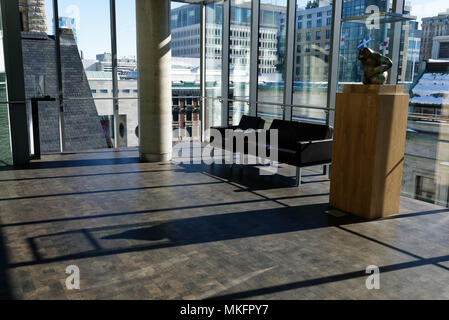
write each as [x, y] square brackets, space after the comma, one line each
[249, 122]
[289, 132]
[314, 131]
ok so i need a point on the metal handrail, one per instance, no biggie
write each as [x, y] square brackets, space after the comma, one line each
[282, 105]
[221, 99]
[428, 117]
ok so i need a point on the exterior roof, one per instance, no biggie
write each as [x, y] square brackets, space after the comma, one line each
[433, 86]
[98, 75]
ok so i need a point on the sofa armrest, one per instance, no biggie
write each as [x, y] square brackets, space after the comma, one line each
[224, 127]
[315, 151]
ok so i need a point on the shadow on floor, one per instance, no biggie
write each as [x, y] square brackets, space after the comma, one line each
[73, 163]
[5, 289]
[181, 232]
[250, 176]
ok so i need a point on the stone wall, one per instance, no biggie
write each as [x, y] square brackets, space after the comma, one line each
[82, 123]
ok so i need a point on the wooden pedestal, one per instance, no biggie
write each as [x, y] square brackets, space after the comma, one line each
[368, 149]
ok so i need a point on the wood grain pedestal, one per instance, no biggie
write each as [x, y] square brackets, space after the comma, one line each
[368, 149]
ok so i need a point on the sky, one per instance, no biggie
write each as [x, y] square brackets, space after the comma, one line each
[93, 22]
[93, 28]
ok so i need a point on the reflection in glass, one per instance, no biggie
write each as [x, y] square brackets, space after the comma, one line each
[272, 35]
[426, 163]
[240, 45]
[186, 35]
[311, 61]
[214, 24]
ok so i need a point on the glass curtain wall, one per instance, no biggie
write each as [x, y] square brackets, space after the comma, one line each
[186, 35]
[239, 63]
[311, 58]
[87, 74]
[127, 73]
[5, 138]
[272, 53]
[426, 163]
[214, 26]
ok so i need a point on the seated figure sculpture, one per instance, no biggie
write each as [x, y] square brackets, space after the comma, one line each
[374, 65]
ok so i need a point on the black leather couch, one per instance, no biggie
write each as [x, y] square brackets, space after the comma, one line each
[300, 144]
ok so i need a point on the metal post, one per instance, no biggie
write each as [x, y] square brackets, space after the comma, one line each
[59, 75]
[396, 31]
[203, 101]
[289, 58]
[36, 131]
[225, 62]
[12, 45]
[115, 104]
[333, 59]
[254, 56]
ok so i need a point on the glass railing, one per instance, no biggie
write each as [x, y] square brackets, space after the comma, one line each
[426, 159]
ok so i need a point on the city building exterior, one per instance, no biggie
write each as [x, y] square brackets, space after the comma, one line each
[69, 23]
[126, 66]
[32, 15]
[185, 24]
[435, 37]
[410, 49]
[313, 25]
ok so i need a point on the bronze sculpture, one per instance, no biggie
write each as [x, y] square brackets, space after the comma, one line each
[374, 65]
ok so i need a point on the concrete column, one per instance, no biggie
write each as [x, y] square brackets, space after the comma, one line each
[154, 79]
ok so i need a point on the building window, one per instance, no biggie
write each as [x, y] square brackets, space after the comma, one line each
[104, 90]
[318, 35]
[328, 34]
[308, 36]
[93, 91]
[425, 189]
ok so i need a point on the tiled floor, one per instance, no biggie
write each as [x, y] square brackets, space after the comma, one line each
[167, 231]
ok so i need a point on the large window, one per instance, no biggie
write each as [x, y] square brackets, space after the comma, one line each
[312, 64]
[186, 36]
[239, 45]
[426, 163]
[5, 144]
[127, 74]
[214, 24]
[272, 53]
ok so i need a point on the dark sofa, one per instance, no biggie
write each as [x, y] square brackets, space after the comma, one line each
[246, 123]
[300, 144]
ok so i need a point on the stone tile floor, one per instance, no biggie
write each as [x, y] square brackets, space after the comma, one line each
[178, 231]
